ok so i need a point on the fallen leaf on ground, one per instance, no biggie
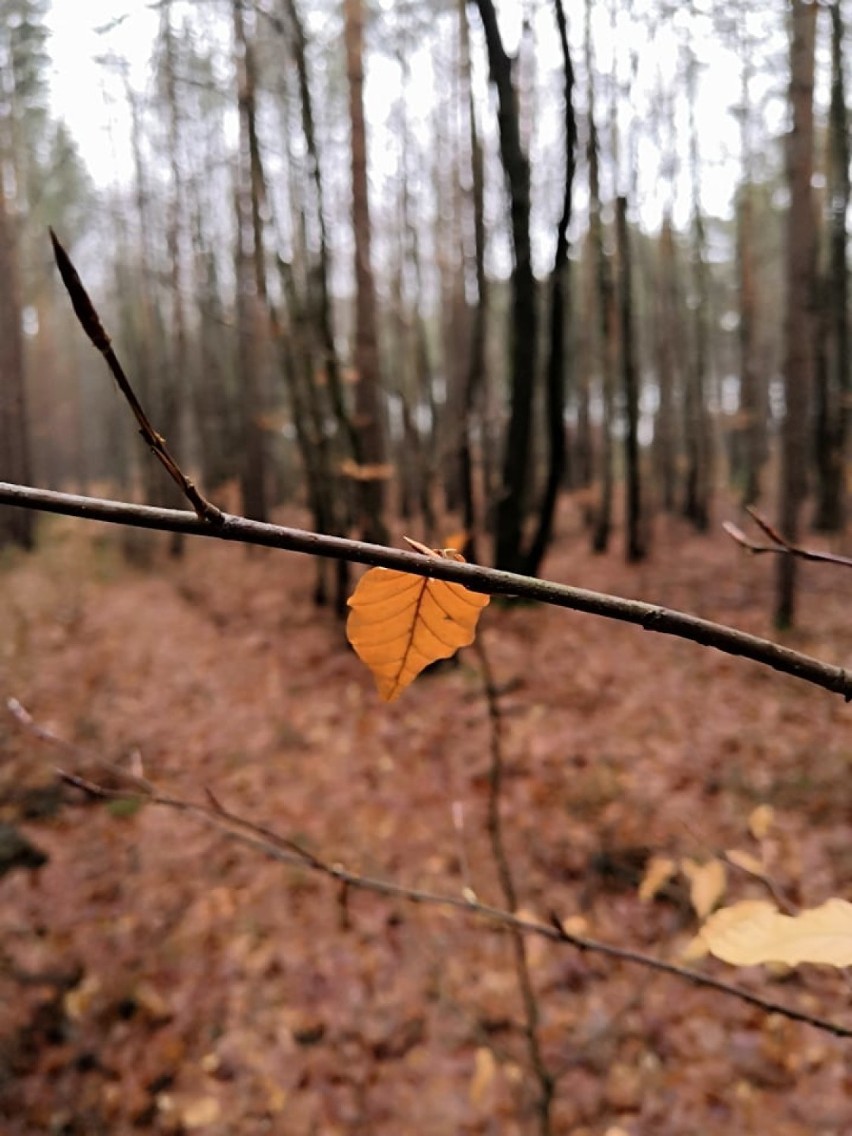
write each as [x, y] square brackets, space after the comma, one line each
[754, 932]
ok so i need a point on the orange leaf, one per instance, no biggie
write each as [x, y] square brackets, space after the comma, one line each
[401, 623]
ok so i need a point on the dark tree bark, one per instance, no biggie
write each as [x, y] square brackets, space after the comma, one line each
[697, 489]
[635, 549]
[174, 402]
[251, 280]
[665, 434]
[513, 503]
[832, 374]
[751, 444]
[606, 313]
[17, 526]
[752, 396]
[315, 320]
[475, 378]
[323, 288]
[368, 392]
[798, 330]
[559, 304]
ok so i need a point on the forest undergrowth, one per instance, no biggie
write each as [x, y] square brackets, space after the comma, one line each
[158, 977]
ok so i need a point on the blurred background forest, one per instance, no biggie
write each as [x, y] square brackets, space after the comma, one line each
[567, 277]
[423, 259]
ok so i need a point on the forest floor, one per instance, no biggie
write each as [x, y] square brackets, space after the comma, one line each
[157, 976]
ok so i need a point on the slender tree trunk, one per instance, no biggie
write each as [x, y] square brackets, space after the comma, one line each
[251, 281]
[348, 441]
[475, 378]
[513, 503]
[368, 393]
[17, 526]
[751, 436]
[833, 379]
[696, 505]
[606, 313]
[752, 400]
[174, 403]
[635, 549]
[798, 331]
[665, 452]
[559, 305]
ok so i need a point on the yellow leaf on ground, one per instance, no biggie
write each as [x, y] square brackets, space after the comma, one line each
[201, 1112]
[401, 623]
[754, 932]
[706, 884]
[746, 861]
[658, 871]
[483, 1074]
[760, 821]
[694, 950]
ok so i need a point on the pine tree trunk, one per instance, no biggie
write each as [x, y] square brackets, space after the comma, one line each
[698, 487]
[559, 319]
[368, 391]
[17, 526]
[606, 314]
[832, 376]
[634, 537]
[251, 286]
[665, 452]
[798, 331]
[513, 503]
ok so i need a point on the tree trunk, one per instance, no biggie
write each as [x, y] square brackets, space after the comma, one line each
[475, 377]
[750, 438]
[606, 314]
[513, 503]
[368, 392]
[798, 331]
[697, 490]
[559, 305]
[251, 286]
[634, 537]
[832, 375]
[17, 526]
[665, 451]
[174, 402]
[752, 427]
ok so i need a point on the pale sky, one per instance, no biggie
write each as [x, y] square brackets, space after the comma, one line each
[84, 93]
[90, 98]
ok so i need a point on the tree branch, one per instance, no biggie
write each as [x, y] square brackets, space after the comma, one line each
[90, 321]
[779, 544]
[474, 576]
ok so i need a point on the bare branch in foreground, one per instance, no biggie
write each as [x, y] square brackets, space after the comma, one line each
[779, 544]
[506, 877]
[90, 321]
[474, 576]
[264, 840]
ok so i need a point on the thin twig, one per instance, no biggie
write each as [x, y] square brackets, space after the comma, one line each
[474, 576]
[529, 998]
[91, 323]
[286, 851]
[779, 545]
[765, 880]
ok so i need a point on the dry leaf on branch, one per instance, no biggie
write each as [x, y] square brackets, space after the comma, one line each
[401, 623]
